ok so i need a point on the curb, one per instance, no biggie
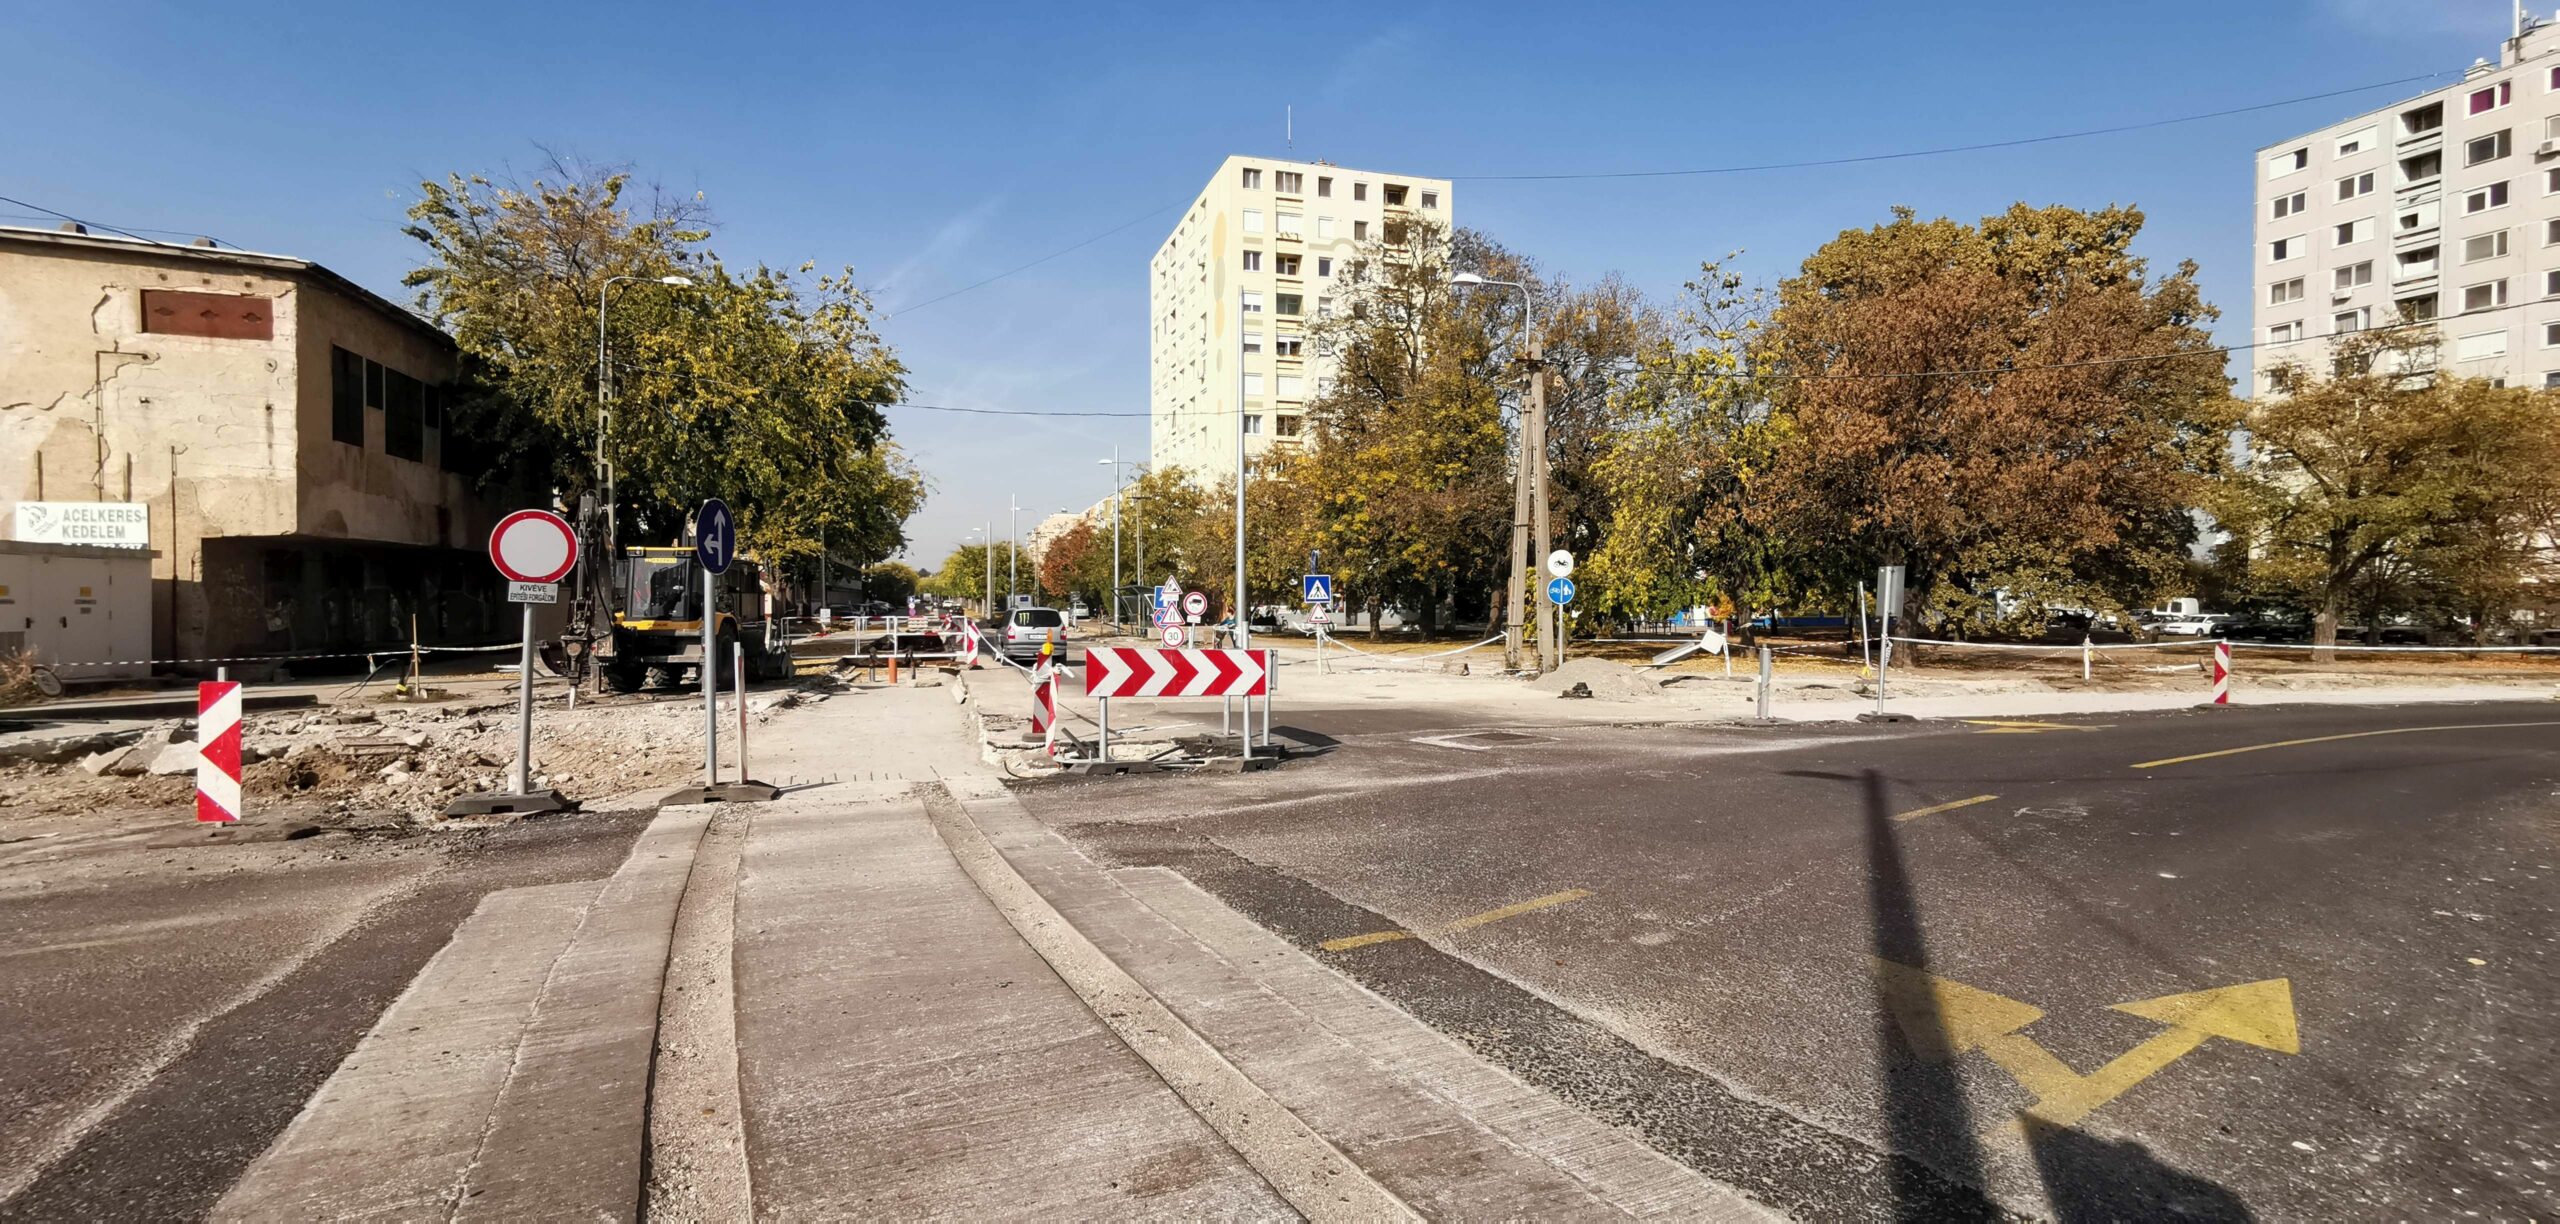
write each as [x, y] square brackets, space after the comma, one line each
[1313, 1175]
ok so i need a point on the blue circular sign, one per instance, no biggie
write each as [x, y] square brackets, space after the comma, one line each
[1560, 590]
[715, 536]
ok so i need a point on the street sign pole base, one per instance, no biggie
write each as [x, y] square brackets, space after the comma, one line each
[531, 803]
[1873, 717]
[727, 792]
[1256, 763]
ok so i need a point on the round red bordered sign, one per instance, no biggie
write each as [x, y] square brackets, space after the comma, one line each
[533, 546]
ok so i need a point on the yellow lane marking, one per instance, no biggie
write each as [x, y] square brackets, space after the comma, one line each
[1944, 1019]
[1467, 923]
[2327, 739]
[1934, 809]
[2012, 726]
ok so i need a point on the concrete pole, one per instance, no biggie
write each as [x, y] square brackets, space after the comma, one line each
[1236, 600]
[1514, 630]
[1012, 548]
[1550, 646]
[987, 593]
[738, 679]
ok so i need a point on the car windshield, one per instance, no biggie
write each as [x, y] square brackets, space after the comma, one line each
[1037, 618]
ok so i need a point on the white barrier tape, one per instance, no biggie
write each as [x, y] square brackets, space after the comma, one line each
[293, 658]
[2404, 649]
[2074, 648]
[1437, 654]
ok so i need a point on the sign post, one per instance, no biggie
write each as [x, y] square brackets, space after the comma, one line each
[715, 546]
[533, 550]
[1560, 593]
[1888, 598]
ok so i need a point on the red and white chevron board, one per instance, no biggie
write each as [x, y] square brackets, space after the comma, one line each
[218, 751]
[1155, 671]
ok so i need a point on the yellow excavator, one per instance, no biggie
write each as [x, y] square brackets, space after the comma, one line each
[647, 631]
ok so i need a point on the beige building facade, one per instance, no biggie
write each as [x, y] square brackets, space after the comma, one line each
[282, 428]
[2444, 208]
[1234, 288]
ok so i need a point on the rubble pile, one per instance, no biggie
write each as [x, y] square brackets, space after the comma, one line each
[383, 759]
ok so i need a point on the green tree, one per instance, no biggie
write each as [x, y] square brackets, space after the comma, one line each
[2384, 476]
[2015, 407]
[891, 581]
[1409, 467]
[749, 385]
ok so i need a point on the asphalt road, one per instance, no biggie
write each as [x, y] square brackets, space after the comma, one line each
[1875, 972]
[164, 1012]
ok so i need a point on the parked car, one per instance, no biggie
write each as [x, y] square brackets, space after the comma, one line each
[1026, 629]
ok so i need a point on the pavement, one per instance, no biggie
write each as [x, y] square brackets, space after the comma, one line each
[932, 1004]
[2287, 962]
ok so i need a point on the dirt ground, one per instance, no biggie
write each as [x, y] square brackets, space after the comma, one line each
[371, 762]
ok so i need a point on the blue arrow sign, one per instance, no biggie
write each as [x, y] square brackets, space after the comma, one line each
[715, 536]
[1560, 590]
[1316, 589]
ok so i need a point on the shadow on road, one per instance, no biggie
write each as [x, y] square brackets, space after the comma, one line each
[1927, 1117]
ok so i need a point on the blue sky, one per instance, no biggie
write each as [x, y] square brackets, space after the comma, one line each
[931, 146]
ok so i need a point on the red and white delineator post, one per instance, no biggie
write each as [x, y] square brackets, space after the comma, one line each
[969, 659]
[218, 752]
[2222, 673]
[1044, 702]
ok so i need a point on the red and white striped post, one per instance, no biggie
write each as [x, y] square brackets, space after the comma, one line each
[970, 628]
[218, 752]
[1044, 706]
[2222, 673]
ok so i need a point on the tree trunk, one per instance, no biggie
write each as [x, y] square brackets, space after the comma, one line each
[1374, 634]
[2324, 630]
[1430, 614]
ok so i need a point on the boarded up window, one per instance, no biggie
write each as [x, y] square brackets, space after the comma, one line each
[219, 316]
[346, 397]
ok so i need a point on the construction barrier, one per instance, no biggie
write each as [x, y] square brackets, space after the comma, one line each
[2222, 673]
[1044, 705]
[218, 751]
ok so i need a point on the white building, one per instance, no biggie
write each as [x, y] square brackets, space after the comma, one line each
[2445, 206]
[1232, 290]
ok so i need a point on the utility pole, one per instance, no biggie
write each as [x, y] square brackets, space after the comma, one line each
[1012, 548]
[1550, 653]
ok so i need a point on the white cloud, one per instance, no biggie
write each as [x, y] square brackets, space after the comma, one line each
[952, 238]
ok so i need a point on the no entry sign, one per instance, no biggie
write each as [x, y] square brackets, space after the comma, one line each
[533, 546]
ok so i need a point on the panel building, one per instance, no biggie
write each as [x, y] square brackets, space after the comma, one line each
[2444, 207]
[1232, 292]
[274, 434]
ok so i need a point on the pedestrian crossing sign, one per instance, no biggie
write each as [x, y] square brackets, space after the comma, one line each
[1316, 589]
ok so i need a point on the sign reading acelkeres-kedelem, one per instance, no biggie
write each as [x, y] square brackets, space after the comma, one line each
[97, 524]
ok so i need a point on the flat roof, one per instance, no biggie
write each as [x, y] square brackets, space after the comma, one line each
[283, 265]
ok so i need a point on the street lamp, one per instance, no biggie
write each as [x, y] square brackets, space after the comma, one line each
[1118, 486]
[1532, 475]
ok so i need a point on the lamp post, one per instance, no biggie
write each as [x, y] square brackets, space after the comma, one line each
[1118, 491]
[1236, 601]
[1012, 548]
[1529, 483]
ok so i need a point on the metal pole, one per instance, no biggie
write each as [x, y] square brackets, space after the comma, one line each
[1884, 646]
[710, 684]
[1012, 547]
[524, 710]
[603, 420]
[987, 593]
[2086, 650]
[1102, 727]
[1765, 668]
[738, 676]
[1115, 542]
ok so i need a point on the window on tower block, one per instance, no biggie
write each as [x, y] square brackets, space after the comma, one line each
[1289, 182]
[1287, 303]
[1252, 179]
[2491, 97]
[1253, 261]
[1324, 187]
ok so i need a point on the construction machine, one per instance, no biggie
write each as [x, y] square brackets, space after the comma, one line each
[638, 622]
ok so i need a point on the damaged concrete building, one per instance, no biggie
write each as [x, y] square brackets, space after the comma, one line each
[283, 429]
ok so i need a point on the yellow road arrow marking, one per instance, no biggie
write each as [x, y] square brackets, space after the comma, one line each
[2328, 739]
[1942, 1018]
[2011, 726]
[1468, 923]
[1933, 809]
